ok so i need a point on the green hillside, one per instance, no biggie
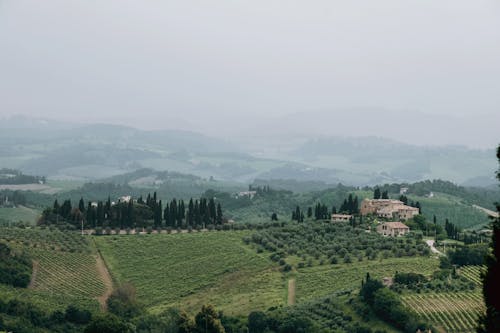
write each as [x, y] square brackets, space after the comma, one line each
[189, 270]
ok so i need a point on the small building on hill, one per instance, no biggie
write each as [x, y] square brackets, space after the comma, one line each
[341, 218]
[249, 194]
[393, 229]
[388, 209]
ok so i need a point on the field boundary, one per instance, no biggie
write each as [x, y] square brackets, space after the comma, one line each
[106, 278]
[34, 273]
[291, 292]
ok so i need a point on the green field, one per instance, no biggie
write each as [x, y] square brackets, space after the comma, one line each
[64, 268]
[450, 312]
[454, 209]
[321, 280]
[189, 270]
[19, 213]
[455, 312]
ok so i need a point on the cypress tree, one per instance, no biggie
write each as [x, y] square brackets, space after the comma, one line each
[81, 205]
[166, 215]
[490, 322]
[56, 208]
[219, 214]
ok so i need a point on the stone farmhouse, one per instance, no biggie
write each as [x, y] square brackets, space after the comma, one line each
[341, 218]
[392, 229]
[388, 208]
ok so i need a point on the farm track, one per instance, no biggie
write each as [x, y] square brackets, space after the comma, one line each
[291, 292]
[34, 273]
[106, 279]
[433, 248]
[487, 211]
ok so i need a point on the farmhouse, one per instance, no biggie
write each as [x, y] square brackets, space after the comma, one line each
[249, 194]
[388, 208]
[341, 218]
[393, 229]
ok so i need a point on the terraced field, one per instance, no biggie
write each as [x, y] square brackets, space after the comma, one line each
[189, 270]
[451, 312]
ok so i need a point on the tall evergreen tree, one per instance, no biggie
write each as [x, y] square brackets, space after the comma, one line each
[376, 193]
[219, 214]
[166, 216]
[81, 205]
[490, 322]
[56, 209]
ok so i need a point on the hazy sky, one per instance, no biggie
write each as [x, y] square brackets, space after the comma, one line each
[148, 62]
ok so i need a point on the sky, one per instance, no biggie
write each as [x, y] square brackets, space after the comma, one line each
[217, 66]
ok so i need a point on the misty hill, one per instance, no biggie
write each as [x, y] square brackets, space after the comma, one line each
[91, 152]
[398, 162]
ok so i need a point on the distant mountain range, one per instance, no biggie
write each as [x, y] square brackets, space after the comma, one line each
[96, 151]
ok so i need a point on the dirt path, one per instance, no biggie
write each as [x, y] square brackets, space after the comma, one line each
[291, 292]
[487, 211]
[433, 249]
[34, 273]
[106, 279]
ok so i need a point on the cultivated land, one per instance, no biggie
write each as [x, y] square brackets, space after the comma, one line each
[452, 312]
[65, 270]
[25, 214]
[322, 280]
[187, 270]
[191, 269]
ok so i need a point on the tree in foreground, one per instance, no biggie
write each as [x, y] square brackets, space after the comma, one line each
[108, 324]
[490, 322]
[208, 321]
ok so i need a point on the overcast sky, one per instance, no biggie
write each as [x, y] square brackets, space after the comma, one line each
[148, 62]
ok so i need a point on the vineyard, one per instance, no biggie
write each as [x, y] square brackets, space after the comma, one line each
[64, 268]
[71, 274]
[320, 280]
[189, 270]
[45, 238]
[451, 312]
[472, 273]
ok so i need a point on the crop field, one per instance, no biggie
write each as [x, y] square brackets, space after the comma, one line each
[332, 243]
[189, 270]
[452, 208]
[451, 312]
[71, 274]
[472, 273]
[64, 268]
[318, 281]
[19, 213]
[46, 239]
